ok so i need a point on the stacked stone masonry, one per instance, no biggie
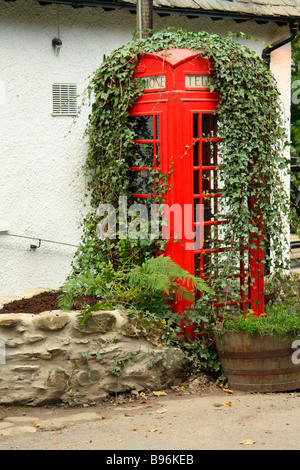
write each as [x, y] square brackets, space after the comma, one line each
[51, 358]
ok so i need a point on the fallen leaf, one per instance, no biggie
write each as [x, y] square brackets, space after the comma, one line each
[154, 430]
[218, 404]
[227, 390]
[142, 394]
[268, 432]
[247, 442]
[159, 393]
[228, 404]
[134, 429]
[163, 410]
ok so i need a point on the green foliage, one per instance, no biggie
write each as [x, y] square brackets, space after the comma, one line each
[145, 293]
[281, 319]
[161, 274]
[119, 364]
[295, 129]
[282, 311]
[252, 129]
[295, 106]
[107, 285]
[253, 139]
[158, 278]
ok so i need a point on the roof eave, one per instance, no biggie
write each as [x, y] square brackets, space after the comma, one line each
[165, 10]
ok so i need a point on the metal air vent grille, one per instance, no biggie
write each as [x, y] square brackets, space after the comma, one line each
[64, 99]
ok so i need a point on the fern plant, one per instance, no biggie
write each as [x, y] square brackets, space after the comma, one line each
[108, 286]
[161, 274]
[156, 279]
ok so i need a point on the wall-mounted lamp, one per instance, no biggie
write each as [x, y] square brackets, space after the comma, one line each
[57, 44]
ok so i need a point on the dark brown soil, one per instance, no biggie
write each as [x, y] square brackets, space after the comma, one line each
[43, 302]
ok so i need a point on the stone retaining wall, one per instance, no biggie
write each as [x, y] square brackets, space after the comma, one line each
[49, 357]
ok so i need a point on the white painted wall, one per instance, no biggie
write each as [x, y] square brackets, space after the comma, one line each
[41, 183]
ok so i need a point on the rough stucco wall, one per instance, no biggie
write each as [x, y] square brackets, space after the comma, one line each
[41, 190]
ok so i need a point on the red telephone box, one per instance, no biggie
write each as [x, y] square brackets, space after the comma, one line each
[175, 122]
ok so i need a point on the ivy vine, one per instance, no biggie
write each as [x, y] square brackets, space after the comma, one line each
[250, 124]
[252, 155]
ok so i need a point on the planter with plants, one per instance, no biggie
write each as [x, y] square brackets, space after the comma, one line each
[259, 353]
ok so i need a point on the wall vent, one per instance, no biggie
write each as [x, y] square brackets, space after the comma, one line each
[64, 99]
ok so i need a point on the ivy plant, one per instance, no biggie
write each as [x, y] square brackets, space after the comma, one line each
[253, 159]
[250, 123]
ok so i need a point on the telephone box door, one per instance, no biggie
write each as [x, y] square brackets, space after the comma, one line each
[176, 127]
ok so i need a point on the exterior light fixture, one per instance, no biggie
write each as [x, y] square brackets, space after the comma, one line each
[57, 44]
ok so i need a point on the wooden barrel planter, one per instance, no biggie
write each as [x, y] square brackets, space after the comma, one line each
[255, 363]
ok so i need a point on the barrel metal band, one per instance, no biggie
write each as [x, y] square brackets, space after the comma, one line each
[262, 372]
[255, 354]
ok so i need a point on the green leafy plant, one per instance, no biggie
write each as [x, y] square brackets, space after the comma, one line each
[119, 364]
[131, 286]
[252, 157]
[281, 316]
[250, 123]
[281, 319]
[161, 274]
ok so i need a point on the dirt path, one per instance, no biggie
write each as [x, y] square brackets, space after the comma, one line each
[219, 421]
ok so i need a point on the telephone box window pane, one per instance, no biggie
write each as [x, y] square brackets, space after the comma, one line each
[208, 154]
[197, 265]
[245, 287]
[143, 127]
[208, 209]
[140, 182]
[207, 237]
[157, 121]
[208, 182]
[198, 237]
[157, 156]
[196, 182]
[196, 154]
[208, 125]
[195, 126]
[197, 210]
[143, 156]
[246, 260]
[206, 264]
